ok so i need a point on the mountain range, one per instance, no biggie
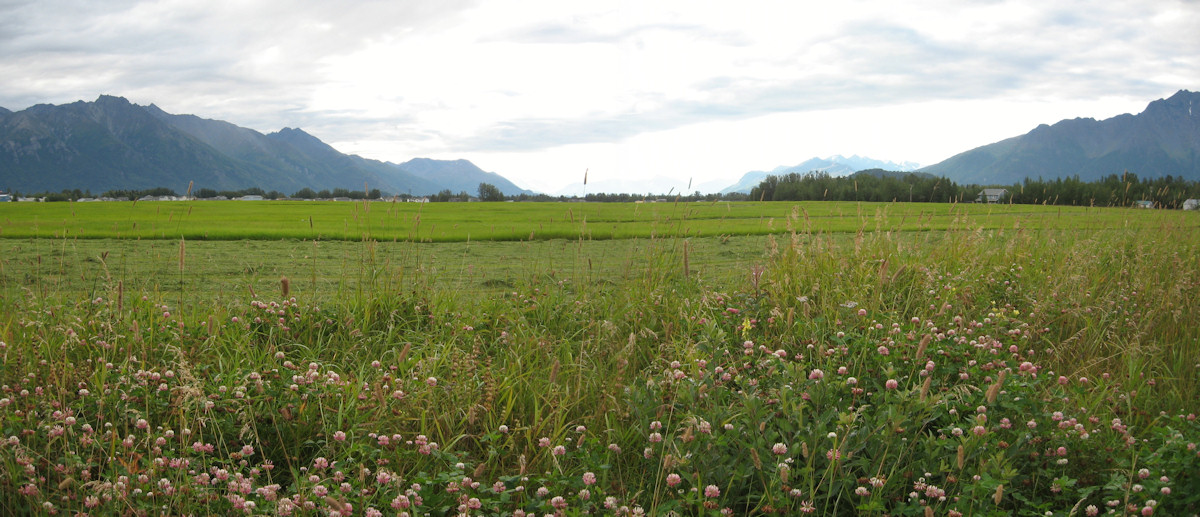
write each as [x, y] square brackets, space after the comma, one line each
[1162, 140]
[836, 165]
[112, 144]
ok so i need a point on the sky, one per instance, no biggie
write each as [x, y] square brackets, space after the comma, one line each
[635, 93]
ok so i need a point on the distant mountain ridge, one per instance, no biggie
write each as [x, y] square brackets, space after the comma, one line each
[1162, 140]
[836, 165]
[113, 144]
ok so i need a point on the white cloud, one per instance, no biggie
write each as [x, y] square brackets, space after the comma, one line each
[538, 91]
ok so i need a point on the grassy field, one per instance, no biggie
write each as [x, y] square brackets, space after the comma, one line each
[744, 358]
[458, 222]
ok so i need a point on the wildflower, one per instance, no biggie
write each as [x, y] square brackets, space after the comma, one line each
[401, 502]
[816, 375]
[589, 478]
[862, 491]
[558, 502]
[673, 479]
[339, 436]
[891, 384]
[559, 450]
[779, 449]
[503, 429]
[712, 491]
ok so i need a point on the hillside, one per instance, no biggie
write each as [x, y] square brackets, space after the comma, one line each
[1163, 140]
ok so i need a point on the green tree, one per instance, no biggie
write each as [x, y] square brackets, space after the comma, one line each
[489, 192]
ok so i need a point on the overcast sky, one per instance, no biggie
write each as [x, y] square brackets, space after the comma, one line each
[540, 91]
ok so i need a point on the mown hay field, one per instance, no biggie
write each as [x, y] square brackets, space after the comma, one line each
[458, 222]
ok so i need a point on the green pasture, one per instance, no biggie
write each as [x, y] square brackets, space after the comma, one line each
[236, 270]
[454, 222]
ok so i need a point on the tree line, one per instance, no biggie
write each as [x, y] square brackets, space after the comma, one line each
[1112, 190]
[870, 185]
[877, 185]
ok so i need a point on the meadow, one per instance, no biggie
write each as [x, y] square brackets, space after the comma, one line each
[568, 359]
[388, 221]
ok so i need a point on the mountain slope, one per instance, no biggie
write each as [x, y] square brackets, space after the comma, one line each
[1162, 140]
[106, 144]
[376, 174]
[458, 175]
[292, 168]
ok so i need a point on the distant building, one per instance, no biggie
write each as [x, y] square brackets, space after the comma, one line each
[4, 198]
[250, 198]
[991, 195]
[1191, 204]
[1143, 204]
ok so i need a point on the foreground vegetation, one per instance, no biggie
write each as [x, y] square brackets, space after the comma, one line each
[973, 370]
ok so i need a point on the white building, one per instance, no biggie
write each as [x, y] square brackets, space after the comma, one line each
[991, 195]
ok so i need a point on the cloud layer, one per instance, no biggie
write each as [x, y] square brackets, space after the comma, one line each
[520, 82]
